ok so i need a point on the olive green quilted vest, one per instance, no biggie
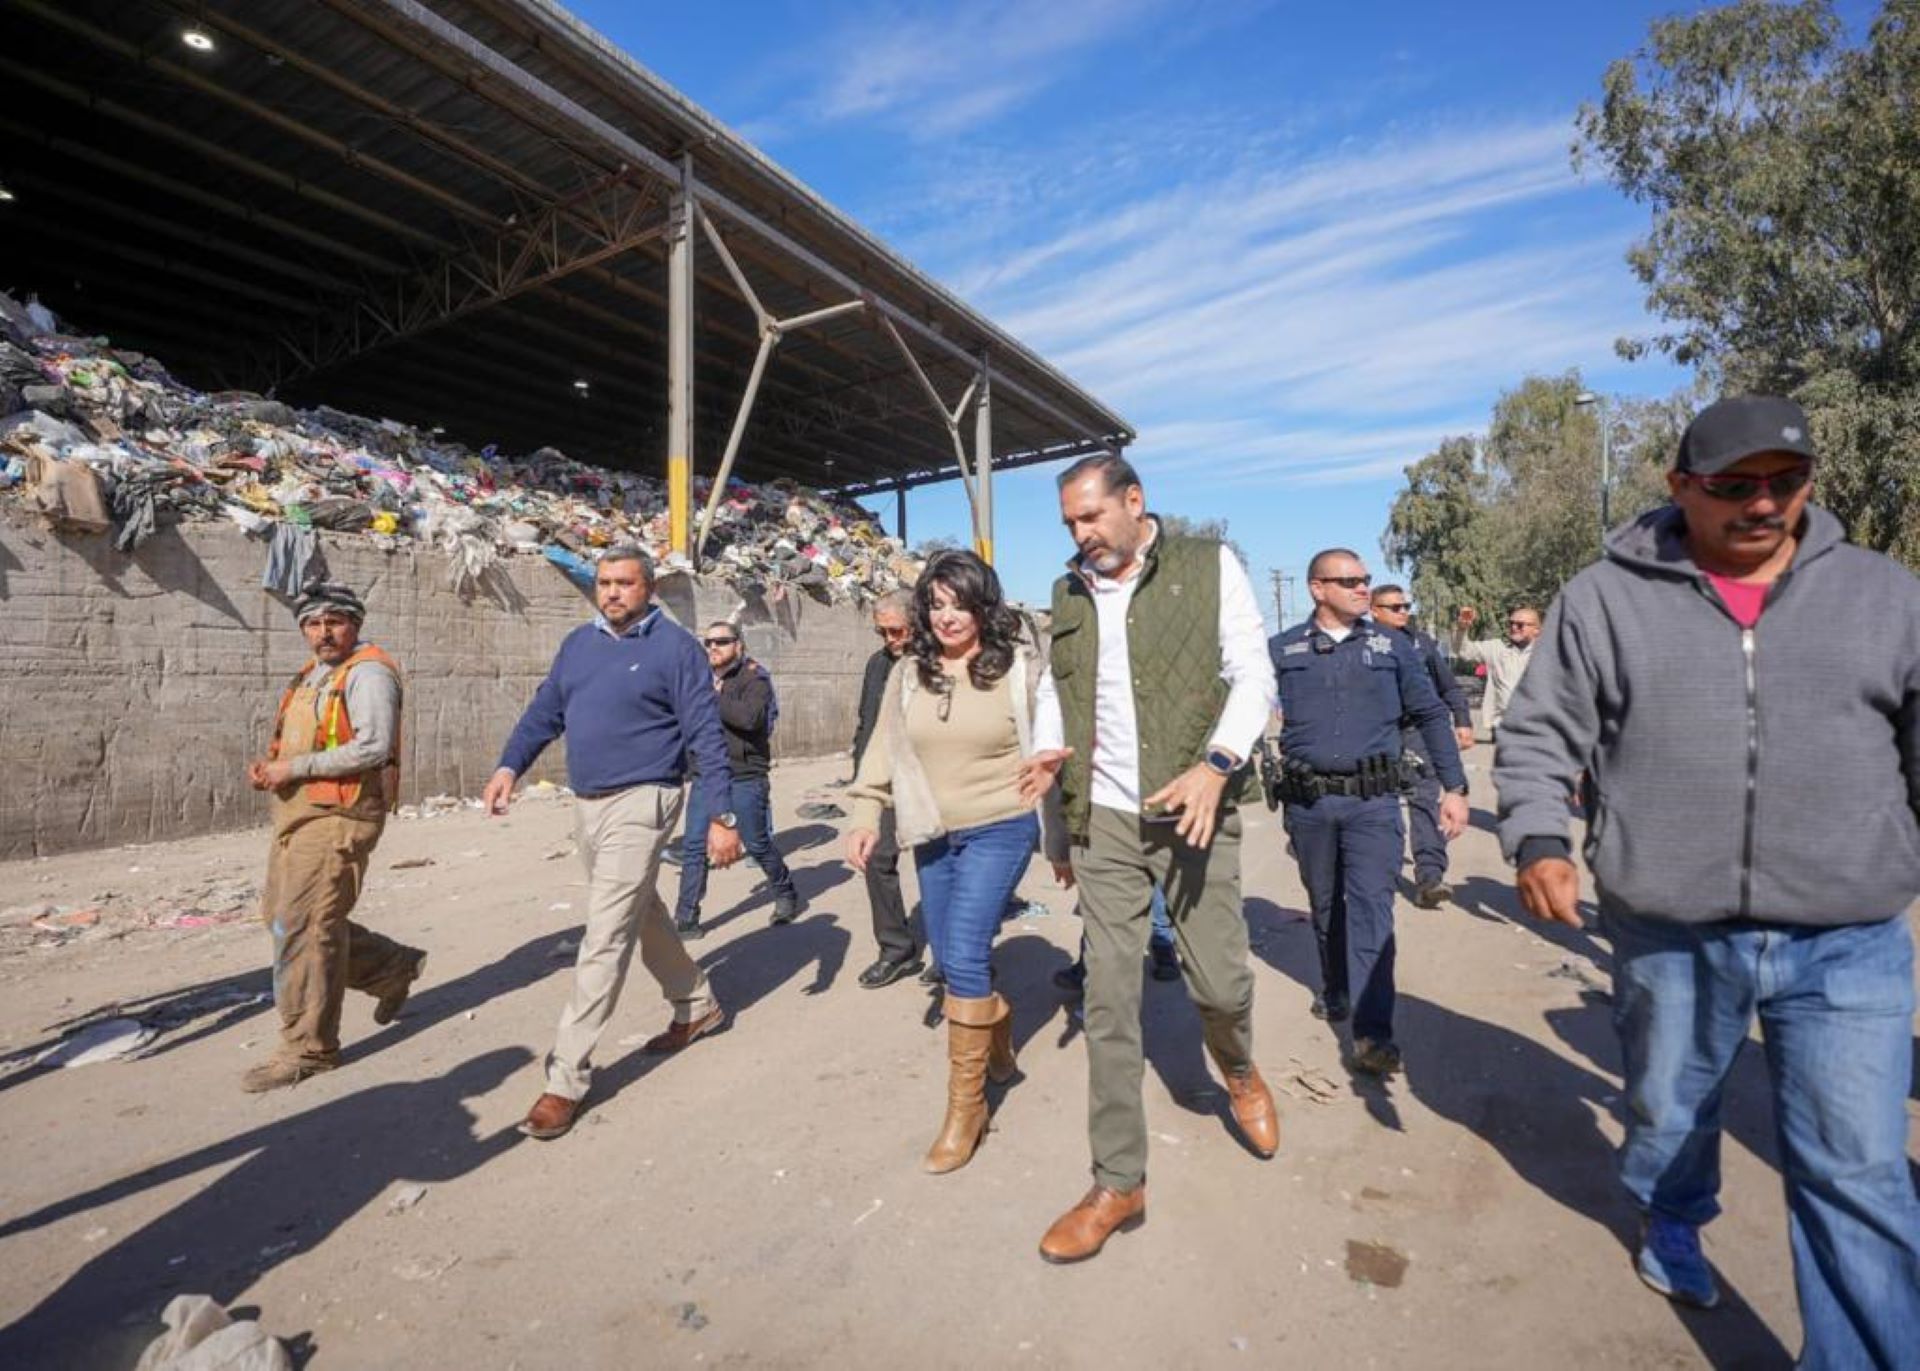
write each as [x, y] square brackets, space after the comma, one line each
[1173, 647]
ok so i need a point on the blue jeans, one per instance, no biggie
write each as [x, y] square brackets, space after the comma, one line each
[965, 879]
[1836, 1013]
[751, 798]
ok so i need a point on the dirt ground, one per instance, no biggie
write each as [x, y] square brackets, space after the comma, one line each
[757, 1200]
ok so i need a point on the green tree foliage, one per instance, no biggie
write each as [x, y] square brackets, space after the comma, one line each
[1509, 519]
[1782, 168]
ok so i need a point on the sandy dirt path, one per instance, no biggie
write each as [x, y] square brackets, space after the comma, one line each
[757, 1201]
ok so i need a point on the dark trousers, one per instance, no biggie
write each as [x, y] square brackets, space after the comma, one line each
[1349, 855]
[751, 798]
[1423, 820]
[891, 931]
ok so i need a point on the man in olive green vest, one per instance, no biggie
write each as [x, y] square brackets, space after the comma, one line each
[1160, 685]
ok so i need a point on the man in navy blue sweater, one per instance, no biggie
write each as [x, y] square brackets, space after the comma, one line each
[633, 694]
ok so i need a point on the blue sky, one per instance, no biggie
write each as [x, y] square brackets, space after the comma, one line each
[1295, 245]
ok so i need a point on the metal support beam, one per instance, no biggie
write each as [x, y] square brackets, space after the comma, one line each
[516, 261]
[771, 331]
[900, 515]
[951, 417]
[680, 232]
[983, 463]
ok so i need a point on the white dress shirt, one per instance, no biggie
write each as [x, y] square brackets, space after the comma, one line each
[1244, 665]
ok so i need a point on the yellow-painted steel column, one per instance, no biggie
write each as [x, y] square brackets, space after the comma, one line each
[680, 366]
[983, 468]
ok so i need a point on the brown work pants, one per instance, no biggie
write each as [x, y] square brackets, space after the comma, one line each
[315, 868]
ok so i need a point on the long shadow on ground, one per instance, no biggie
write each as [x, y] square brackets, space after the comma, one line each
[296, 1182]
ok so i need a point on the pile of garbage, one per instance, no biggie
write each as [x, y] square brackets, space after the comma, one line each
[100, 439]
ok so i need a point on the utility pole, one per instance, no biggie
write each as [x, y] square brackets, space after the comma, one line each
[1283, 597]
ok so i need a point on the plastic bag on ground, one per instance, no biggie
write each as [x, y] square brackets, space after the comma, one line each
[201, 1337]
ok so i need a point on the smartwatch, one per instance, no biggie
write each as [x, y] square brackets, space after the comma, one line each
[727, 820]
[1222, 762]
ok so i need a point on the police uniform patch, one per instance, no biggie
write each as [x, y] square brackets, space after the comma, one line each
[1380, 643]
[1295, 649]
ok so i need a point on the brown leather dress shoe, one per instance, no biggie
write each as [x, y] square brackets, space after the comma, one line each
[1253, 1111]
[1084, 1229]
[550, 1116]
[679, 1035]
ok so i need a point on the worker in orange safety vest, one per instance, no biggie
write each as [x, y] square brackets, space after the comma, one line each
[333, 769]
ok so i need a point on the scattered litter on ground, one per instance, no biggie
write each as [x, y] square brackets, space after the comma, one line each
[819, 811]
[1374, 1263]
[871, 1210]
[690, 1317]
[556, 854]
[1313, 1083]
[426, 1268]
[405, 1198]
[412, 864]
[104, 1040]
[566, 947]
[201, 1336]
[1580, 976]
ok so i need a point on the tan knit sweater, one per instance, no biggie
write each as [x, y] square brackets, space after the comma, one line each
[958, 772]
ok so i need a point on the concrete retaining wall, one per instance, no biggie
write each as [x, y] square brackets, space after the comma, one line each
[133, 688]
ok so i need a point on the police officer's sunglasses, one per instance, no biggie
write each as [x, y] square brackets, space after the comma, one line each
[719, 642]
[1350, 582]
[1401, 608]
[1739, 489]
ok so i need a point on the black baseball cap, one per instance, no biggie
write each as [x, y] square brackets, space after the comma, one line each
[1740, 426]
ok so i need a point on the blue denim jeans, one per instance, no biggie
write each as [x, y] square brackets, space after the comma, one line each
[752, 801]
[1836, 1014]
[965, 879]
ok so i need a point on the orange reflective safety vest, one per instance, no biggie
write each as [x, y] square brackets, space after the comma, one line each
[327, 726]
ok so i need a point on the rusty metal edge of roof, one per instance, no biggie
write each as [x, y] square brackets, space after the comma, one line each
[569, 27]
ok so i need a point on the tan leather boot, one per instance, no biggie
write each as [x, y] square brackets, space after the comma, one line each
[969, 1044]
[1001, 1065]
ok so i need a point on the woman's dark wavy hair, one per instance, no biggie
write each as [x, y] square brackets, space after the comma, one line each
[975, 588]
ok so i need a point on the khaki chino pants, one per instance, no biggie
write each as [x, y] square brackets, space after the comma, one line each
[1117, 868]
[621, 837]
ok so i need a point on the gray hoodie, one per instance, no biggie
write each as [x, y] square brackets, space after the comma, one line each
[1769, 774]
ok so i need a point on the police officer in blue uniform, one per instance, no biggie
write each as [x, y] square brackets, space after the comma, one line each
[1391, 609]
[1345, 686]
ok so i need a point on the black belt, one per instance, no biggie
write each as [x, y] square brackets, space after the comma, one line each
[1339, 782]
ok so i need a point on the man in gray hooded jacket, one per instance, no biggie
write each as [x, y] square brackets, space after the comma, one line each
[1740, 689]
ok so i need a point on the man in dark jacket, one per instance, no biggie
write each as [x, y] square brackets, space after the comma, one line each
[1392, 609]
[1740, 688]
[748, 708]
[892, 931]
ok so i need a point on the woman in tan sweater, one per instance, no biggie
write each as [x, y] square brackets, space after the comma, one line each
[954, 726]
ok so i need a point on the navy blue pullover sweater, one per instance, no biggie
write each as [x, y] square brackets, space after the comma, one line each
[632, 707]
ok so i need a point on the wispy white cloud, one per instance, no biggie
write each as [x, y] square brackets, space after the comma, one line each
[1273, 318]
[934, 73]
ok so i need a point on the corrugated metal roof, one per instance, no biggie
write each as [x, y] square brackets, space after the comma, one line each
[438, 213]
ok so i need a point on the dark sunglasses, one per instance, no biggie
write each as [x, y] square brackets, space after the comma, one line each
[1400, 608]
[1739, 489]
[1350, 582]
[1521, 623]
[719, 642]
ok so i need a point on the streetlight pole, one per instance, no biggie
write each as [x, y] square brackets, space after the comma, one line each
[1598, 403]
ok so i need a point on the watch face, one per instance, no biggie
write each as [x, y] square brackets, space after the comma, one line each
[726, 820]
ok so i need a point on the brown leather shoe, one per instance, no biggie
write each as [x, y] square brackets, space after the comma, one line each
[679, 1035]
[550, 1116]
[388, 1007]
[1253, 1111]
[1084, 1229]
